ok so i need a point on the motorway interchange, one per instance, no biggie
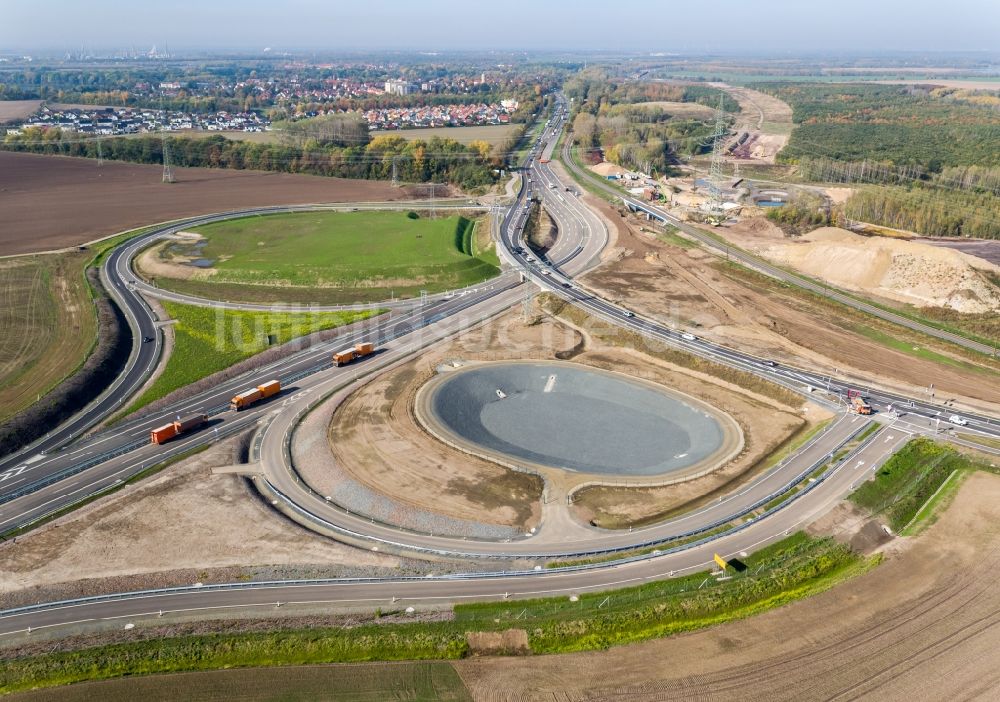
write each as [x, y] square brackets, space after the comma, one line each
[57, 471]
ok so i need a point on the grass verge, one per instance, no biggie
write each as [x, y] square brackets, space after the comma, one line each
[986, 441]
[207, 340]
[796, 567]
[48, 321]
[907, 481]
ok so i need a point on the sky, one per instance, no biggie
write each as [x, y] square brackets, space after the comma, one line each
[689, 26]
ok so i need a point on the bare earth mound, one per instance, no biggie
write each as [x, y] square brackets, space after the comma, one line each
[51, 202]
[922, 626]
[905, 271]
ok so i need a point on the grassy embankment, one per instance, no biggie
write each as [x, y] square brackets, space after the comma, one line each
[48, 321]
[910, 486]
[207, 340]
[791, 569]
[334, 257]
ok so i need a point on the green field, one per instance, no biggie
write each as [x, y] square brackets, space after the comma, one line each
[796, 567]
[335, 257]
[363, 682]
[209, 340]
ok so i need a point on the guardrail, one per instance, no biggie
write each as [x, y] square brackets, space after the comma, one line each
[344, 531]
[316, 582]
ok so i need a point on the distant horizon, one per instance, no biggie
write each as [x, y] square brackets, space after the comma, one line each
[774, 27]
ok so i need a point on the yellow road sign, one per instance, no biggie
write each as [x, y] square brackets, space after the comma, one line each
[721, 561]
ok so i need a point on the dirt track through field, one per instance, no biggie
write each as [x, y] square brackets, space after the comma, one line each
[922, 626]
[52, 202]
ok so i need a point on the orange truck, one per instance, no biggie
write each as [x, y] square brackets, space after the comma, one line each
[248, 397]
[342, 358]
[176, 428]
[858, 403]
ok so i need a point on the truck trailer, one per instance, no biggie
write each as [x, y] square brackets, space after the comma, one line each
[858, 403]
[342, 358]
[248, 397]
[182, 425]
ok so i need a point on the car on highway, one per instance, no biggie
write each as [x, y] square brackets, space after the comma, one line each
[955, 419]
[628, 313]
[773, 364]
[688, 337]
[546, 273]
[146, 339]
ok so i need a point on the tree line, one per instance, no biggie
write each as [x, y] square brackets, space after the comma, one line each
[433, 160]
[928, 211]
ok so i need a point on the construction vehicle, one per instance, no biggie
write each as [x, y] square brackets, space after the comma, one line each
[248, 397]
[165, 433]
[858, 404]
[342, 358]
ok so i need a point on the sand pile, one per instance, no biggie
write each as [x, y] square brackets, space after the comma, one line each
[905, 271]
[606, 168]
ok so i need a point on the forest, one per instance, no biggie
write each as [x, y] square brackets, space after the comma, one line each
[930, 211]
[933, 149]
[434, 160]
[922, 127]
[610, 117]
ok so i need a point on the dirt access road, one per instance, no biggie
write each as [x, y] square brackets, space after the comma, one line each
[53, 202]
[766, 120]
[921, 626]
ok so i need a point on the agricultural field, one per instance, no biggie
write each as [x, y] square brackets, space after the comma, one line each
[51, 202]
[47, 325]
[493, 134]
[362, 682]
[209, 340]
[325, 258]
[16, 110]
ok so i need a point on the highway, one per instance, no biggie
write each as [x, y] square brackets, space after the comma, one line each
[128, 289]
[308, 376]
[762, 265]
